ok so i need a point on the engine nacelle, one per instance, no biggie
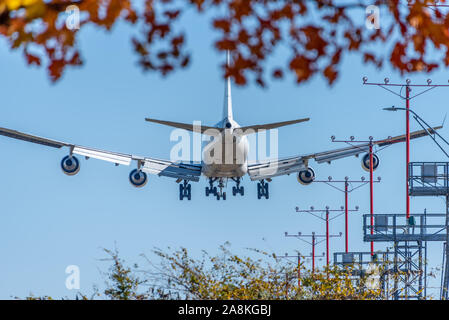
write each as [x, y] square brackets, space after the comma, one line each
[365, 162]
[306, 177]
[138, 178]
[70, 165]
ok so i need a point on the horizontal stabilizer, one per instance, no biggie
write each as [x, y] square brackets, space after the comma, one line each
[268, 126]
[187, 126]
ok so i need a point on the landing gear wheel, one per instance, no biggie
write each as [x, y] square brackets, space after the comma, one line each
[189, 192]
[224, 195]
[185, 190]
[237, 189]
[262, 190]
[181, 192]
[207, 191]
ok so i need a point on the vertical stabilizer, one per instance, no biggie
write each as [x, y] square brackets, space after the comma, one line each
[227, 107]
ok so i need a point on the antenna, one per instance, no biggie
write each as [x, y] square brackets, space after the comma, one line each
[371, 173]
[313, 243]
[349, 186]
[408, 88]
[298, 257]
[314, 212]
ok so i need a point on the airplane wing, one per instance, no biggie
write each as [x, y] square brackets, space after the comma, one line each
[278, 167]
[178, 170]
[356, 149]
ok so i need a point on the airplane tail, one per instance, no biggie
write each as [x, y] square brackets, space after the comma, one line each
[227, 116]
[227, 113]
[227, 110]
[227, 106]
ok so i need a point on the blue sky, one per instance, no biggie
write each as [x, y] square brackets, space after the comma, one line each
[49, 221]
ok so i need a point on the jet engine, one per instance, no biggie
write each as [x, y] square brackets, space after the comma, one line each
[306, 177]
[365, 162]
[138, 178]
[70, 165]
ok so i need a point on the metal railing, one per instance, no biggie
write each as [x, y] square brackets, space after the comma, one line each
[362, 259]
[395, 227]
[428, 178]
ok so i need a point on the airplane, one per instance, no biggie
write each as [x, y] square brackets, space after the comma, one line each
[229, 138]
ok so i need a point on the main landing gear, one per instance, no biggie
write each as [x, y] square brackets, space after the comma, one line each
[237, 189]
[211, 189]
[185, 190]
[262, 189]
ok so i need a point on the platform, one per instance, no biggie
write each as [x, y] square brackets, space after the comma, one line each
[395, 228]
[362, 259]
[428, 178]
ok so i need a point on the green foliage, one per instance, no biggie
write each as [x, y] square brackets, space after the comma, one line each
[229, 276]
[123, 283]
[226, 276]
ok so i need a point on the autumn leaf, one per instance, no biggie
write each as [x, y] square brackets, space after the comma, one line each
[32, 59]
[330, 74]
[315, 34]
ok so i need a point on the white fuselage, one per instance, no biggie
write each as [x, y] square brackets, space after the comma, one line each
[226, 155]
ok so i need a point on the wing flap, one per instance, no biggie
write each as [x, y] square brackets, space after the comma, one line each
[275, 168]
[191, 172]
[339, 154]
[113, 157]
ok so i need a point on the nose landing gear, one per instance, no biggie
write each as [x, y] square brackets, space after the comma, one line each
[221, 194]
[217, 192]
